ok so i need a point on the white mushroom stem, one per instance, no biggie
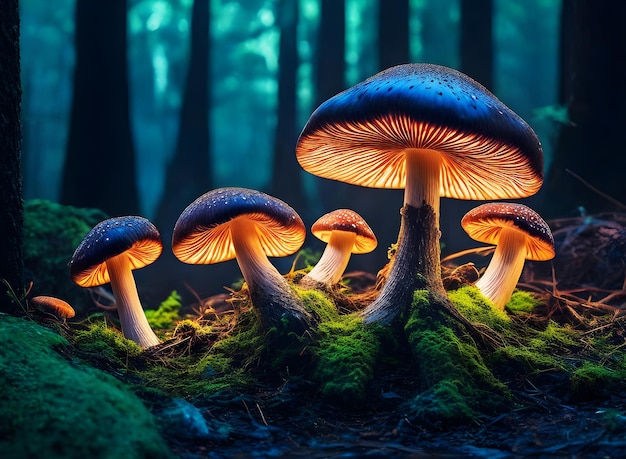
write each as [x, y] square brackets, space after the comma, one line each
[272, 297]
[256, 268]
[135, 326]
[423, 169]
[334, 260]
[505, 268]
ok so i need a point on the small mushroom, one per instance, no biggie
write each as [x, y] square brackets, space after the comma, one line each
[519, 234]
[109, 253]
[345, 232]
[434, 132]
[52, 305]
[248, 225]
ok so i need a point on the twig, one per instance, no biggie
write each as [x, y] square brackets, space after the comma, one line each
[595, 190]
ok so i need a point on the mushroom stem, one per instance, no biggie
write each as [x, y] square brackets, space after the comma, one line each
[415, 265]
[133, 320]
[271, 295]
[333, 261]
[505, 268]
[423, 169]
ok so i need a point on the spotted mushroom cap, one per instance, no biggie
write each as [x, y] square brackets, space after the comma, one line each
[202, 233]
[485, 223]
[359, 136]
[349, 221]
[134, 237]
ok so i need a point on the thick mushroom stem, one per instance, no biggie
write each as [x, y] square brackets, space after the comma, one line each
[423, 169]
[272, 297]
[133, 320]
[334, 260]
[505, 268]
[416, 263]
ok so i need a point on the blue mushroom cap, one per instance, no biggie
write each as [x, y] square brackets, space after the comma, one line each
[134, 237]
[359, 136]
[202, 235]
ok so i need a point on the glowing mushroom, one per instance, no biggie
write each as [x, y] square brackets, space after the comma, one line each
[109, 253]
[519, 234]
[53, 305]
[248, 225]
[345, 232]
[434, 132]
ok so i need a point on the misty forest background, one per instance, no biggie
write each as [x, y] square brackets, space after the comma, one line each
[140, 106]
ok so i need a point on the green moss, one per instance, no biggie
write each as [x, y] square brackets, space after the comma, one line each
[99, 339]
[475, 307]
[318, 304]
[593, 380]
[346, 355]
[167, 314]
[455, 384]
[51, 234]
[54, 408]
[522, 302]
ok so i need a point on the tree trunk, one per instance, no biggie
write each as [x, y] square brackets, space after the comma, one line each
[11, 210]
[188, 175]
[590, 145]
[476, 40]
[100, 166]
[476, 52]
[393, 33]
[286, 172]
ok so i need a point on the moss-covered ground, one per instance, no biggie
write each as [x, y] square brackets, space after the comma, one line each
[424, 374]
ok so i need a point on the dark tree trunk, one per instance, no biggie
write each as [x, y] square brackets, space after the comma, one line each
[100, 161]
[591, 144]
[11, 210]
[476, 40]
[393, 33]
[287, 173]
[188, 175]
[476, 52]
[330, 66]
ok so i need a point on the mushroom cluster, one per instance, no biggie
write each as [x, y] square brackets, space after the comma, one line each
[428, 129]
[434, 132]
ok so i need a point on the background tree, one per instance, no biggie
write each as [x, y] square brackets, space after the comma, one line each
[591, 144]
[100, 166]
[286, 181]
[11, 210]
[393, 33]
[476, 42]
[188, 175]
[476, 55]
[330, 70]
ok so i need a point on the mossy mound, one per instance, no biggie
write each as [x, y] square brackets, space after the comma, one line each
[54, 408]
[455, 385]
[51, 234]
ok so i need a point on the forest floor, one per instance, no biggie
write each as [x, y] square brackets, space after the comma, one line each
[547, 420]
[283, 416]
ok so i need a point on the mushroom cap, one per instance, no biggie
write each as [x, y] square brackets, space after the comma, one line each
[53, 305]
[135, 237]
[485, 223]
[359, 136]
[202, 233]
[349, 221]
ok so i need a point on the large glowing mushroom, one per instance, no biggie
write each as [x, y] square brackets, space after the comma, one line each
[434, 132]
[109, 253]
[248, 225]
[345, 233]
[519, 234]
